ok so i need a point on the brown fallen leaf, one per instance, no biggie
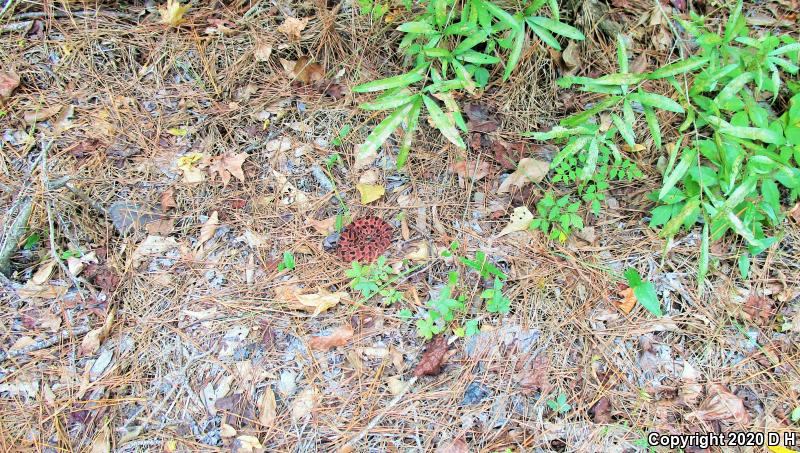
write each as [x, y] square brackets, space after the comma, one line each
[529, 170]
[628, 300]
[267, 407]
[794, 213]
[168, 200]
[316, 303]
[35, 116]
[292, 27]
[91, 342]
[432, 359]
[208, 229]
[262, 51]
[480, 119]
[304, 403]
[470, 170]
[454, 446]
[339, 337]
[535, 376]
[9, 81]
[601, 411]
[227, 165]
[758, 309]
[689, 390]
[303, 70]
[721, 405]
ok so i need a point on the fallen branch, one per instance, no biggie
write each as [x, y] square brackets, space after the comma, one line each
[13, 235]
[44, 344]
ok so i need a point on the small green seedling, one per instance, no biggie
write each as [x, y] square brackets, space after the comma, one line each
[31, 241]
[288, 261]
[560, 404]
[373, 279]
[70, 253]
[645, 292]
[496, 302]
[483, 266]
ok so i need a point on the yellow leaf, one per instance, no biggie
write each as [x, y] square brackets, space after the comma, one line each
[519, 221]
[188, 164]
[172, 13]
[178, 131]
[370, 192]
[528, 170]
[779, 449]
[420, 254]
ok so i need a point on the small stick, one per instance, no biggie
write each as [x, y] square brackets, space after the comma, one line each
[13, 235]
[44, 343]
[372, 424]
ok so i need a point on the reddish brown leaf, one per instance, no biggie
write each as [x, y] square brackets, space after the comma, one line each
[535, 375]
[168, 200]
[102, 277]
[85, 148]
[9, 81]
[601, 411]
[339, 337]
[758, 309]
[335, 91]
[431, 362]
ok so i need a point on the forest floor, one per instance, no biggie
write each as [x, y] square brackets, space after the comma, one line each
[167, 170]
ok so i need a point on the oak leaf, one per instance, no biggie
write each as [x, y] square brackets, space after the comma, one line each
[227, 165]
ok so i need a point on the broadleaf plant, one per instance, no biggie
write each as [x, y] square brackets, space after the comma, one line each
[452, 46]
[739, 155]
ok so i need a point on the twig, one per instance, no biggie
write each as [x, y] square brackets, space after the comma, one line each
[13, 235]
[372, 424]
[44, 344]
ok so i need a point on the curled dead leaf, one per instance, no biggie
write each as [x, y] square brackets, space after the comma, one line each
[208, 229]
[339, 337]
[454, 446]
[267, 407]
[431, 362]
[292, 27]
[316, 303]
[722, 405]
[227, 165]
[529, 170]
[628, 301]
[9, 81]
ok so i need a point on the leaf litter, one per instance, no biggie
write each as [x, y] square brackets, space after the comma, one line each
[213, 202]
